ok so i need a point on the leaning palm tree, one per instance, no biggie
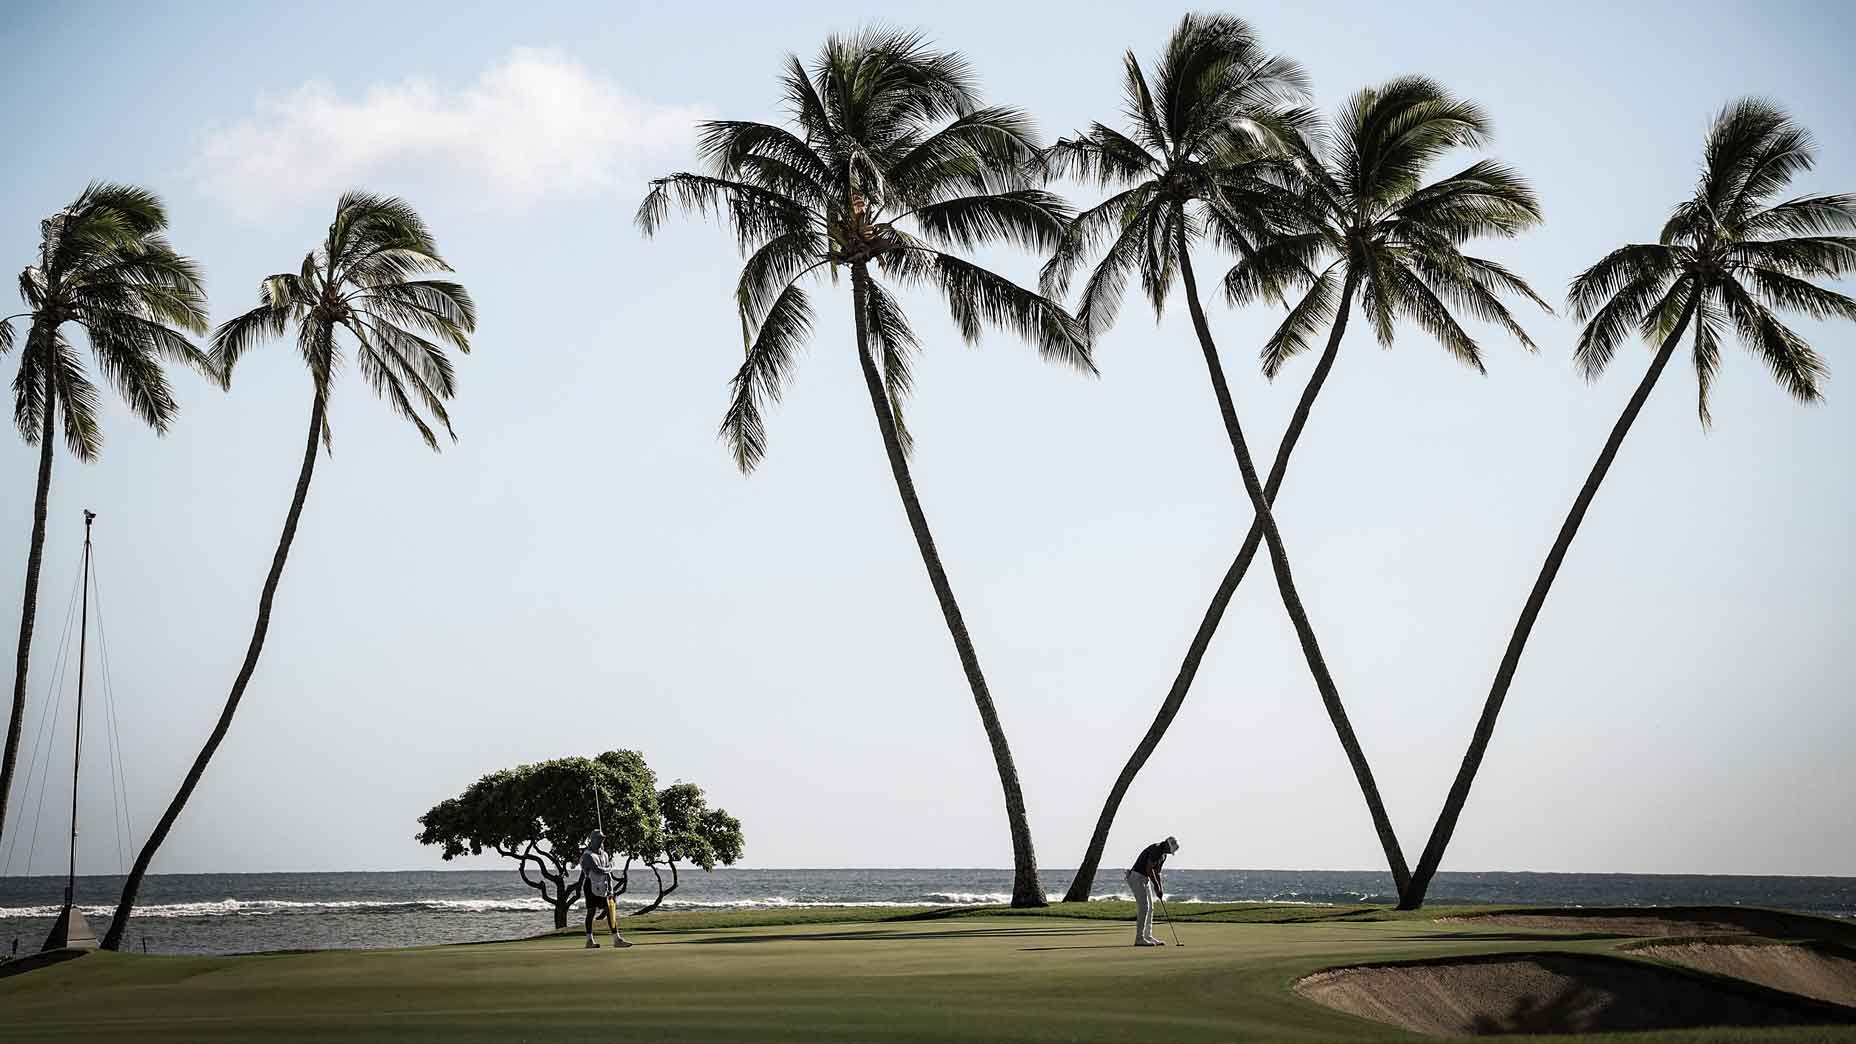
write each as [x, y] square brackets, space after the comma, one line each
[1728, 255]
[104, 267]
[363, 282]
[883, 130]
[1364, 221]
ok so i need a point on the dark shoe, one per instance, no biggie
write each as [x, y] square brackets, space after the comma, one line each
[591, 945]
[619, 941]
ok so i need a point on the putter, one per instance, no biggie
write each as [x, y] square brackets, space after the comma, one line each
[1170, 925]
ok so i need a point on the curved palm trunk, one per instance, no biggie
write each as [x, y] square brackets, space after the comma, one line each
[1027, 890]
[1291, 601]
[1214, 613]
[35, 558]
[113, 939]
[1413, 897]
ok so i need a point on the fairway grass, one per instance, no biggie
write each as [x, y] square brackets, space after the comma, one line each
[917, 976]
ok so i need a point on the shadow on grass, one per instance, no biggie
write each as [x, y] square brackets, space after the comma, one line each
[882, 936]
[1532, 937]
[43, 959]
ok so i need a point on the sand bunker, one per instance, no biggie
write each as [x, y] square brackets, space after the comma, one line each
[1807, 970]
[1548, 993]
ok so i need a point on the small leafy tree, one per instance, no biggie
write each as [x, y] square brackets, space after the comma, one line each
[689, 831]
[539, 815]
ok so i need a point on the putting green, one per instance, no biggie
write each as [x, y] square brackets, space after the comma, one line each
[945, 978]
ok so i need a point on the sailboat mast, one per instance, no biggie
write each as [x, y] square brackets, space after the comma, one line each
[77, 751]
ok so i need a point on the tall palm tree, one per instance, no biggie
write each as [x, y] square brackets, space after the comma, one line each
[105, 267]
[1729, 254]
[364, 282]
[1363, 219]
[884, 130]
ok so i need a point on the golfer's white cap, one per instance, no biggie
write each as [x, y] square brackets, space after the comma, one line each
[1172, 843]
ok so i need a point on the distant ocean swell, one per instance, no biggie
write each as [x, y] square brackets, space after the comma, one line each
[287, 907]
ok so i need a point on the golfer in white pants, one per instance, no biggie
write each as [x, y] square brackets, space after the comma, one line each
[1146, 873]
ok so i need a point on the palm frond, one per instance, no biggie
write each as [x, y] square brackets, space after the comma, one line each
[1415, 296]
[387, 374]
[763, 374]
[1101, 155]
[1626, 266]
[1313, 311]
[756, 214]
[1707, 355]
[1100, 300]
[1272, 269]
[1084, 234]
[1030, 218]
[1614, 317]
[977, 298]
[1793, 362]
[1830, 257]
[1804, 216]
[894, 344]
[1783, 291]
[78, 401]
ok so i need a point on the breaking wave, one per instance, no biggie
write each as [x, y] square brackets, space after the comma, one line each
[530, 904]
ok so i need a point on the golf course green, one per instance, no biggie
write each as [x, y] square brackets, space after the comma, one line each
[926, 975]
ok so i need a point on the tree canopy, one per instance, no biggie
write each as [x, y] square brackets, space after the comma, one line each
[540, 816]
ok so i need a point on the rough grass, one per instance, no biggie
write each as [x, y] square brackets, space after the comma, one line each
[924, 975]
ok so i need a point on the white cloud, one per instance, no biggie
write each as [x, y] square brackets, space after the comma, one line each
[536, 125]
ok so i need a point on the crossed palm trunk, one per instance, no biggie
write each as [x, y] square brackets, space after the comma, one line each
[1214, 612]
[1027, 889]
[1285, 582]
[119, 923]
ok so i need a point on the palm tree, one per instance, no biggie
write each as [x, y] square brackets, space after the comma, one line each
[1728, 254]
[883, 130]
[362, 281]
[1362, 220]
[105, 267]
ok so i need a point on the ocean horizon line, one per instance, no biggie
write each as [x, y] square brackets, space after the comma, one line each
[976, 870]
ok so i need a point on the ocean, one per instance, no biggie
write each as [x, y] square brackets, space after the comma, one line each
[242, 913]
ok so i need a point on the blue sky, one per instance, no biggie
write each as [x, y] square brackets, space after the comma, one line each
[586, 570]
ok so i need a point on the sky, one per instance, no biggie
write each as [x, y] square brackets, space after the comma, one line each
[586, 570]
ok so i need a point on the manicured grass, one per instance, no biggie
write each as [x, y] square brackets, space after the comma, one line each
[913, 975]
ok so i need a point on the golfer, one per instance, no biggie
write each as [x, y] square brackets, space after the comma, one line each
[596, 883]
[1146, 874]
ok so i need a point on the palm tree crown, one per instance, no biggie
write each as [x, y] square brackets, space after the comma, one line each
[1372, 226]
[105, 266]
[360, 280]
[1729, 254]
[1206, 134]
[884, 132]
